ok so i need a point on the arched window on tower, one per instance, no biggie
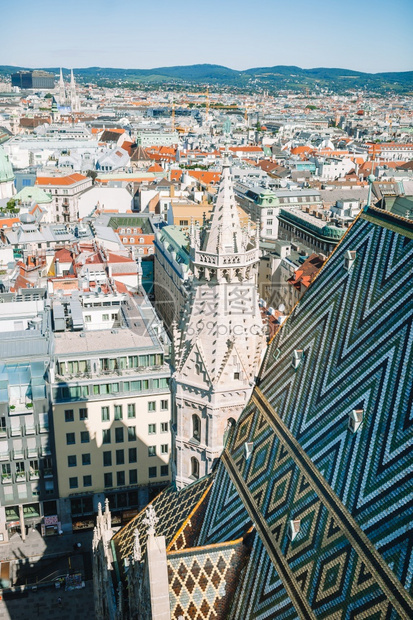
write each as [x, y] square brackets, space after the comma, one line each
[194, 468]
[196, 427]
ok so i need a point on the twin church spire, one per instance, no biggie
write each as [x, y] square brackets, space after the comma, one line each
[67, 95]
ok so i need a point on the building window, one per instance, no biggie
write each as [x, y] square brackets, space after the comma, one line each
[105, 317]
[120, 457]
[164, 448]
[152, 472]
[84, 437]
[152, 405]
[131, 410]
[87, 481]
[133, 476]
[131, 433]
[69, 415]
[164, 470]
[71, 460]
[106, 435]
[164, 427]
[120, 478]
[70, 439]
[151, 450]
[132, 455]
[108, 480]
[196, 427]
[151, 429]
[73, 484]
[194, 468]
[88, 318]
[83, 414]
[164, 405]
[119, 435]
[107, 459]
[236, 375]
[105, 414]
[86, 459]
[118, 412]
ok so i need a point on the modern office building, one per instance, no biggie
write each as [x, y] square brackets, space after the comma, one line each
[37, 79]
[28, 490]
[111, 404]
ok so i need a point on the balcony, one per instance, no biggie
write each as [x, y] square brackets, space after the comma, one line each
[48, 472]
[20, 406]
[20, 475]
[34, 474]
[3, 431]
[6, 479]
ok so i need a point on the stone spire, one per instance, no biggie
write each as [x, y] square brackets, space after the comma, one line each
[62, 92]
[216, 354]
[74, 99]
[225, 233]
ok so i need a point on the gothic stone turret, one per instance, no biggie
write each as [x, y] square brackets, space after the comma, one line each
[218, 344]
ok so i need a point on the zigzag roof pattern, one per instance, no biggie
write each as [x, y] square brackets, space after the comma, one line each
[172, 508]
[346, 347]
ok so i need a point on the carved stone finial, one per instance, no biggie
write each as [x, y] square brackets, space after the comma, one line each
[106, 506]
[99, 509]
[137, 552]
[151, 520]
[95, 538]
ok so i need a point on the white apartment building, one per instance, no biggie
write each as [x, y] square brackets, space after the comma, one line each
[65, 192]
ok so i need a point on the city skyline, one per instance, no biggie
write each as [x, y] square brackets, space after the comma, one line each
[320, 35]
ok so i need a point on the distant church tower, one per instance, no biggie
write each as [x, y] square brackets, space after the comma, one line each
[62, 91]
[217, 346]
[74, 99]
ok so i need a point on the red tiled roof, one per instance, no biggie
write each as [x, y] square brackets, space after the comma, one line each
[70, 179]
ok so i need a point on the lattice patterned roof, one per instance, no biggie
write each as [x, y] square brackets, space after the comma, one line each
[172, 508]
[348, 491]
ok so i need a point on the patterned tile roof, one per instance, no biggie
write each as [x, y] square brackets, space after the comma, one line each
[172, 508]
[329, 437]
[202, 581]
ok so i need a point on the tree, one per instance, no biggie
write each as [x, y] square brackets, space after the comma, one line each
[92, 174]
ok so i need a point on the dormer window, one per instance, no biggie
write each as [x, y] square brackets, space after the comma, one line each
[349, 260]
[355, 420]
[293, 528]
[248, 448]
[298, 356]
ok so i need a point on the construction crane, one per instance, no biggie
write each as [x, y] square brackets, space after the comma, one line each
[173, 115]
[207, 102]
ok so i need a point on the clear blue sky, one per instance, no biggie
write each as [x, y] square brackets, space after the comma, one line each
[363, 35]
